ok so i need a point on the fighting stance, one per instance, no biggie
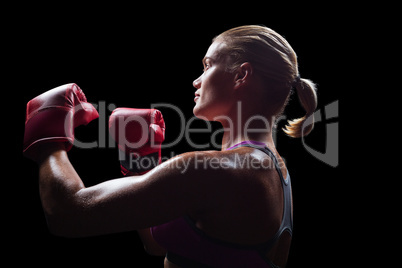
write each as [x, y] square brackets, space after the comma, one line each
[208, 215]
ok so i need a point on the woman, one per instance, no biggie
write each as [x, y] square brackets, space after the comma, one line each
[228, 208]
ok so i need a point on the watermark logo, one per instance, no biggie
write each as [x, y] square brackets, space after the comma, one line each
[331, 154]
[330, 111]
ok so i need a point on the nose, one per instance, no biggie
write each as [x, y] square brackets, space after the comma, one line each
[197, 83]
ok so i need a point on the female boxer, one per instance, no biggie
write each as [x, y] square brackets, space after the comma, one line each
[228, 208]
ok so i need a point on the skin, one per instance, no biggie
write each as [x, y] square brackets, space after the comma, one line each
[239, 205]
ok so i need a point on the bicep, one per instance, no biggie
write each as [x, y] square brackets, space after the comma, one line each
[138, 202]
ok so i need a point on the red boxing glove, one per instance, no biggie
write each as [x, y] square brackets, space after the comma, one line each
[53, 115]
[139, 134]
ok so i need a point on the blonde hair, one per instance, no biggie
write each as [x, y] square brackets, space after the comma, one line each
[275, 61]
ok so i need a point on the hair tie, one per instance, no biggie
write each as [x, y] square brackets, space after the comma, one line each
[296, 81]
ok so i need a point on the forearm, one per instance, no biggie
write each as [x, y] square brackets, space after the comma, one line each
[59, 184]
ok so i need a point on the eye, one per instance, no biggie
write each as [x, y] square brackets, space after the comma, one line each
[206, 66]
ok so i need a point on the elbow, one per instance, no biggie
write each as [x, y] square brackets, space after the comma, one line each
[55, 222]
[66, 220]
[56, 231]
[64, 224]
[58, 227]
[65, 231]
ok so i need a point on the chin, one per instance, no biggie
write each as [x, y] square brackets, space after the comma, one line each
[206, 113]
[201, 113]
[198, 112]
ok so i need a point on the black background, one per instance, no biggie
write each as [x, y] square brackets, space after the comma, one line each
[135, 57]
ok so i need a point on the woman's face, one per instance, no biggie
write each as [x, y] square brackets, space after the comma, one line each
[214, 94]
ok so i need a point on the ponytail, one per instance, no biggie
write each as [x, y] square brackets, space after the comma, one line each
[306, 90]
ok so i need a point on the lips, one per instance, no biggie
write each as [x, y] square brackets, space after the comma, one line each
[197, 96]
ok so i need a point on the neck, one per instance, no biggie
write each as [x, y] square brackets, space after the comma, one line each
[246, 126]
[230, 140]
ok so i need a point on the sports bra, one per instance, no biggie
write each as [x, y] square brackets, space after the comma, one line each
[189, 246]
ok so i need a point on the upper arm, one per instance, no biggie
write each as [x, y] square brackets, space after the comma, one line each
[172, 189]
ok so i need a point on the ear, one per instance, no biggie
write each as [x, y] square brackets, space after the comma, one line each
[243, 74]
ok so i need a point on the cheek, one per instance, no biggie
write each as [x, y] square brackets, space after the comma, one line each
[216, 86]
[215, 94]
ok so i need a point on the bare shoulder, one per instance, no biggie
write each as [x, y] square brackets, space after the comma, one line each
[197, 165]
[241, 162]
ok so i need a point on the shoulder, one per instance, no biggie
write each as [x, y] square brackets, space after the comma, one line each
[201, 179]
[242, 162]
[198, 162]
[197, 167]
